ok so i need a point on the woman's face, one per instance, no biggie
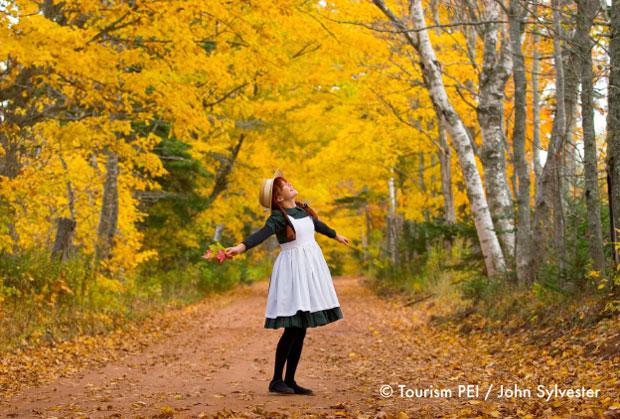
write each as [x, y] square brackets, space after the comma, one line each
[287, 192]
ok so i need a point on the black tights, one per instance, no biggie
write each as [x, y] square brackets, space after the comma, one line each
[289, 350]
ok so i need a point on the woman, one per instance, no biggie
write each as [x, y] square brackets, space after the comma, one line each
[301, 291]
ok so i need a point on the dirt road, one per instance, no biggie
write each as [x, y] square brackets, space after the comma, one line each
[220, 360]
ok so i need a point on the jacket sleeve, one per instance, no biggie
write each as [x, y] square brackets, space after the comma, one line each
[323, 228]
[271, 226]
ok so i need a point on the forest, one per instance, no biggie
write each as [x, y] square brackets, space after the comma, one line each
[469, 150]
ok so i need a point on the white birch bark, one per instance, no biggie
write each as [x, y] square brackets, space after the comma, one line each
[445, 151]
[489, 243]
[217, 235]
[496, 69]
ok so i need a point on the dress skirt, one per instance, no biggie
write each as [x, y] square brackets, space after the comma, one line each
[301, 290]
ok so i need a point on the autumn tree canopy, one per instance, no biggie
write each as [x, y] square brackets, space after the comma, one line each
[146, 127]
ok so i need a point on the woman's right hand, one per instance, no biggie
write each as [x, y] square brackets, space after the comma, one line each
[235, 250]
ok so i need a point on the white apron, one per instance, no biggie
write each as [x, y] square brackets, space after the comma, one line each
[300, 279]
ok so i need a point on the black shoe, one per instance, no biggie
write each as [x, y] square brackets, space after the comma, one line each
[298, 389]
[279, 386]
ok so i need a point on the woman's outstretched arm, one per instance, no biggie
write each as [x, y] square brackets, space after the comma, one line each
[323, 228]
[256, 238]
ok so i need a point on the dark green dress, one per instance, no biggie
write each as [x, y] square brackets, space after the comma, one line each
[305, 319]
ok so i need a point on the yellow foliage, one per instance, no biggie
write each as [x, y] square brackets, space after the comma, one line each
[337, 106]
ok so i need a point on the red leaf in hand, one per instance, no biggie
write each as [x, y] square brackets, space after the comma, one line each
[209, 255]
[221, 255]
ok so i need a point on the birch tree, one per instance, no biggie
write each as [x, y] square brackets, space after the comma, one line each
[496, 69]
[516, 16]
[419, 39]
[482, 23]
[444, 152]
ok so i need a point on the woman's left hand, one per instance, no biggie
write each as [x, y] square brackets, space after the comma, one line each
[342, 239]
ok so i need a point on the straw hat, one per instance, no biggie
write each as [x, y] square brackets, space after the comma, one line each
[266, 189]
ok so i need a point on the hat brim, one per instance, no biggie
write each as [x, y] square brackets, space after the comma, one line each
[266, 190]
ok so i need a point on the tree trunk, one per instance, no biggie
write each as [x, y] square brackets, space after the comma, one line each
[496, 69]
[70, 194]
[368, 227]
[445, 158]
[422, 184]
[613, 124]
[217, 235]
[524, 233]
[9, 167]
[535, 103]
[420, 41]
[549, 192]
[568, 169]
[66, 226]
[563, 126]
[586, 11]
[364, 234]
[445, 152]
[224, 170]
[392, 227]
[108, 220]
[64, 239]
[572, 69]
